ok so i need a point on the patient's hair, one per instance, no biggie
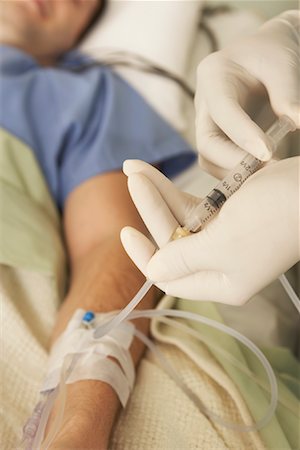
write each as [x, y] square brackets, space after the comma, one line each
[98, 13]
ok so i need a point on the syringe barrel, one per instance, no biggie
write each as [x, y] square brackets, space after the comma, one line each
[214, 201]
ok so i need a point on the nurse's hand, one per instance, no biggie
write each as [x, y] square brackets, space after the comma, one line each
[237, 82]
[246, 246]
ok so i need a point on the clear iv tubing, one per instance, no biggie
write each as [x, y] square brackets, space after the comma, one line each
[169, 369]
[235, 334]
[45, 416]
[201, 215]
[61, 390]
[104, 329]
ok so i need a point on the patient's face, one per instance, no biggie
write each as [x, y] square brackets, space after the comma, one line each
[44, 28]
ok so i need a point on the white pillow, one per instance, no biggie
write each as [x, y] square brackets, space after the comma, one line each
[161, 31]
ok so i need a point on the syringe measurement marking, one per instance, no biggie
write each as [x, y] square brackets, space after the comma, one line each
[241, 178]
[213, 202]
[211, 205]
[227, 186]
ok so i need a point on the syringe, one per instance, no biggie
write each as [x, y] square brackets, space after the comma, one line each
[214, 201]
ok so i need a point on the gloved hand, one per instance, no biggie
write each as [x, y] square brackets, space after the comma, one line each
[235, 83]
[252, 240]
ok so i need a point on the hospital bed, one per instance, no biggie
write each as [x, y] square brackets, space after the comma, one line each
[158, 416]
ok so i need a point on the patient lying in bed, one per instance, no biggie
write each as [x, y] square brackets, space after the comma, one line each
[80, 125]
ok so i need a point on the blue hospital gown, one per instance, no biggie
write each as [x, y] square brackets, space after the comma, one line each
[80, 124]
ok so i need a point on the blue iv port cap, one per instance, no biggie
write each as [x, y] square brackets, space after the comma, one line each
[88, 317]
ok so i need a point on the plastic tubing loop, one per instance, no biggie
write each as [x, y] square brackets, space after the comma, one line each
[128, 312]
[244, 340]
[170, 370]
[102, 330]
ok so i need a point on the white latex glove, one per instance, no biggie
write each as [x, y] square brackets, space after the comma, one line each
[252, 240]
[234, 84]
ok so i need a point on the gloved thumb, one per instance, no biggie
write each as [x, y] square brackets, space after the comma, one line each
[152, 208]
[139, 248]
[183, 257]
[178, 202]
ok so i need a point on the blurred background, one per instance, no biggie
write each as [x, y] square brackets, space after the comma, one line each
[268, 8]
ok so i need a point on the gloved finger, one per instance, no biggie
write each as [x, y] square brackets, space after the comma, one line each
[236, 124]
[282, 84]
[200, 286]
[138, 247]
[213, 169]
[222, 99]
[283, 87]
[131, 166]
[152, 208]
[206, 286]
[213, 144]
[179, 203]
[178, 258]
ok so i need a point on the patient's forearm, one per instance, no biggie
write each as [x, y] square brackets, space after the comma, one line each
[102, 279]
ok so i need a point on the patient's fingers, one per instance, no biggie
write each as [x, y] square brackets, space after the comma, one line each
[153, 209]
[213, 144]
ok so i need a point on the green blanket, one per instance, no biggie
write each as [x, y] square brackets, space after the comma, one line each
[29, 222]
